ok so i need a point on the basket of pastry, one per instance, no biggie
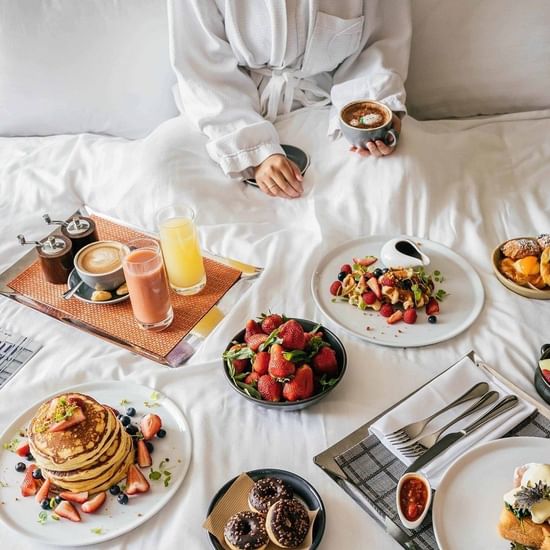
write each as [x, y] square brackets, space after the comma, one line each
[523, 265]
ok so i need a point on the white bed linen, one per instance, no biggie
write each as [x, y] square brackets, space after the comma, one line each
[467, 184]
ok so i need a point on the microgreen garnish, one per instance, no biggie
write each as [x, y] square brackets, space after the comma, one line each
[97, 530]
[441, 294]
[53, 503]
[162, 473]
[12, 445]
[527, 497]
[154, 398]
[55, 517]
[42, 517]
[3, 484]
[124, 402]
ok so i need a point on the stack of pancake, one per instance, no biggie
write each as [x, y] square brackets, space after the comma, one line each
[91, 455]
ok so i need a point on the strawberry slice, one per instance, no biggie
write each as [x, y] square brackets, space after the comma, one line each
[23, 449]
[29, 486]
[76, 418]
[80, 498]
[66, 510]
[373, 284]
[136, 482]
[143, 456]
[395, 317]
[43, 491]
[432, 307]
[90, 506]
[150, 424]
[365, 262]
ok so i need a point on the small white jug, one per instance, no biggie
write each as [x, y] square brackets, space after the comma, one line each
[402, 252]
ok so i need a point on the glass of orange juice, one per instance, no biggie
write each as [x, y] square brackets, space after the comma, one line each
[181, 249]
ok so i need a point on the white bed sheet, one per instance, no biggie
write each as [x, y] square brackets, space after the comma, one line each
[467, 184]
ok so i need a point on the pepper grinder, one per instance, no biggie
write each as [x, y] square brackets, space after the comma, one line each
[80, 230]
[55, 256]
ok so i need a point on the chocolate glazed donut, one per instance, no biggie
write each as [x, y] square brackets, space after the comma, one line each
[287, 523]
[246, 531]
[266, 492]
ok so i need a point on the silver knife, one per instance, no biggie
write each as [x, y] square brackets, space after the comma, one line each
[445, 442]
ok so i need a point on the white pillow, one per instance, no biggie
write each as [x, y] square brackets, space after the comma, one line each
[72, 66]
[470, 57]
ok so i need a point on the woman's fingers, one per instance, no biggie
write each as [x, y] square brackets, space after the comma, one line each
[371, 146]
[296, 170]
[265, 188]
[279, 179]
[287, 170]
[383, 148]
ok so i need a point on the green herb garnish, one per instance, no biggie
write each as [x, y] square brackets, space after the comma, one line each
[12, 445]
[42, 518]
[124, 402]
[162, 473]
[97, 531]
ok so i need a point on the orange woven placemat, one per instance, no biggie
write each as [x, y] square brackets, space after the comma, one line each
[117, 319]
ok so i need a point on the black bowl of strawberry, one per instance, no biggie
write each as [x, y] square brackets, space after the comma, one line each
[542, 373]
[284, 363]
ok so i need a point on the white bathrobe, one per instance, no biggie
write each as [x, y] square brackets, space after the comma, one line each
[240, 63]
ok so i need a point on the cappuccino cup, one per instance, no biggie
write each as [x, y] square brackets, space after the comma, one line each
[99, 265]
[367, 120]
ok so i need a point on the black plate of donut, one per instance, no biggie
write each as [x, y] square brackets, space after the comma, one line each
[302, 490]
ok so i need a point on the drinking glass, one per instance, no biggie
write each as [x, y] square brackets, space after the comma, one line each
[181, 249]
[147, 284]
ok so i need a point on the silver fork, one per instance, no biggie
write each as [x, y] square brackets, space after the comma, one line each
[414, 429]
[420, 444]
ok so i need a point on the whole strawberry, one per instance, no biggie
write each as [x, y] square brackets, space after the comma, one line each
[324, 362]
[252, 378]
[251, 328]
[292, 335]
[261, 363]
[256, 340]
[271, 322]
[269, 388]
[240, 365]
[279, 367]
[301, 386]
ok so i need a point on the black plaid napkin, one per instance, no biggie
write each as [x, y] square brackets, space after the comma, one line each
[375, 471]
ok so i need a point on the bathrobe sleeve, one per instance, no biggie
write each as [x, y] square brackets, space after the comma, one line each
[216, 94]
[378, 70]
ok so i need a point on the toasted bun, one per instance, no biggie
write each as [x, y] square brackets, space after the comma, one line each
[524, 532]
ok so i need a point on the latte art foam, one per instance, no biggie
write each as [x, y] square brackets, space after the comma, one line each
[102, 258]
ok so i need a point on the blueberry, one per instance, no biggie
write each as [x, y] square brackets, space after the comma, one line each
[161, 433]
[377, 272]
[385, 270]
[20, 467]
[406, 284]
[132, 429]
[57, 499]
[125, 420]
[29, 457]
[37, 474]
[122, 498]
[45, 504]
[149, 446]
[432, 319]
[342, 275]
[130, 411]
[114, 490]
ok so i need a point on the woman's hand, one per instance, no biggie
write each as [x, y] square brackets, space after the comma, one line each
[278, 176]
[378, 148]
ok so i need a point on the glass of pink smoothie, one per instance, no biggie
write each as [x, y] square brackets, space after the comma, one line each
[147, 284]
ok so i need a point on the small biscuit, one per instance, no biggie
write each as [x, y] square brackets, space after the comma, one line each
[520, 248]
[122, 290]
[101, 295]
[544, 240]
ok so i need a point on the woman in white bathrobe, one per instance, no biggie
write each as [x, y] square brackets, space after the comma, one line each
[240, 63]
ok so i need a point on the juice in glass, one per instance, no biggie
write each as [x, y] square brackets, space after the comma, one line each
[147, 284]
[181, 249]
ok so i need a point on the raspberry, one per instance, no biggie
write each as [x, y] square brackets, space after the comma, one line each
[346, 268]
[336, 288]
[387, 281]
[386, 310]
[410, 316]
[369, 298]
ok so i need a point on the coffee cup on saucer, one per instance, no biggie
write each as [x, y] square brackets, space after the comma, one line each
[99, 265]
[367, 120]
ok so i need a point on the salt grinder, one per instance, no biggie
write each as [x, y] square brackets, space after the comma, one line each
[55, 256]
[80, 230]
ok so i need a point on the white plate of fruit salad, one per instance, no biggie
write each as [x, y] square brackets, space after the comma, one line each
[394, 306]
[98, 519]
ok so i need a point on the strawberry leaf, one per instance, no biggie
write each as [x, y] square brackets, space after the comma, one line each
[271, 339]
[296, 356]
[249, 390]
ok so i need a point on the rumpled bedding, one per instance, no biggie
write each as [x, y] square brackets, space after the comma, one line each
[468, 184]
